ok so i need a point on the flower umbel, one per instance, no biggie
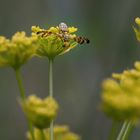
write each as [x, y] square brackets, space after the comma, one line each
[121, 95]
[60, 133]
[17, 51]
[40, 112]
[57, 40]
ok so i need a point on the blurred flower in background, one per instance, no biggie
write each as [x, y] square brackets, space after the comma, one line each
[61, 132]
[121, 95]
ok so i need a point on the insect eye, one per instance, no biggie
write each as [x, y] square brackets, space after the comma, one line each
[63, 27]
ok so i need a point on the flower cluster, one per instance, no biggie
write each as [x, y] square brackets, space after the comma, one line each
[40, 111]
[60, 133]
[121, 95]
[18, 50]
[56, 40]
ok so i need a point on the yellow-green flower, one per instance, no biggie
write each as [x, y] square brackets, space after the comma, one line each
[137, 30]
[40, 111]
[60, 133]
[56, 40]
[121, 95]
[18, 50]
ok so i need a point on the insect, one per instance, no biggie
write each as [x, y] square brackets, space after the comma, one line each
[43, 33]
[64, 34]
[81, 40]
[63, 27]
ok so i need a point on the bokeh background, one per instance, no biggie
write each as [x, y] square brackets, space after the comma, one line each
[77, 75]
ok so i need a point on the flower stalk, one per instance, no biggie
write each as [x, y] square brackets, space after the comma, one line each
[51, 93]
[125, 130]
[122, 131]
[22, 95]
[42, 134]
[20, 84]
[51, 77]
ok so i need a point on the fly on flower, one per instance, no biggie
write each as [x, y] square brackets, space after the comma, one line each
[57, 40]
[64, 34]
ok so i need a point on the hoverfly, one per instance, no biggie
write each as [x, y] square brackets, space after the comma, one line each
[64, 29]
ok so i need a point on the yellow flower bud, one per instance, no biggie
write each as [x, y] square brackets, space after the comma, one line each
[137, 65]
[137, 20]
[36, 29]
[117, 76]
[137, 30]
[53, 30]
[110, 85]
[40, 111]
[72, 29]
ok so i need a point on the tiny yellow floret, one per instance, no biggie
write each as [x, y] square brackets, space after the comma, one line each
[72, 29]
[137, 20]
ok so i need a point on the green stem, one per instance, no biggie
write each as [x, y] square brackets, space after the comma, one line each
[122, 130]
[128, 131]
[31, 129]
[42, 134]
[113, 131]
[51, 78]
[125, 131]
[20, 84]
[51, 92]
[22, 95]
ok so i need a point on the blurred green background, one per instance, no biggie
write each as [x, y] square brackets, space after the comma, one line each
[78, 74]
